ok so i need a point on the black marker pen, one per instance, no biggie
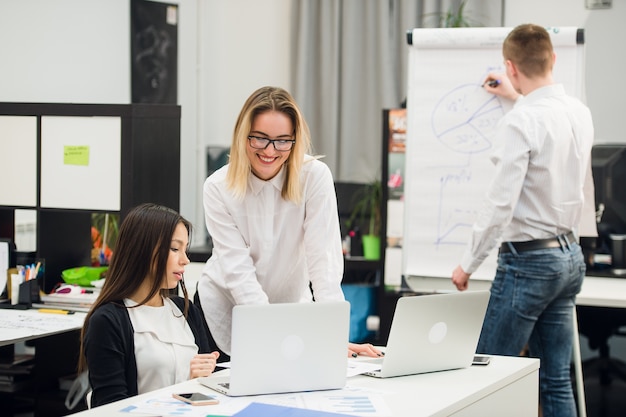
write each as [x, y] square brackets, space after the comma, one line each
[492, 83]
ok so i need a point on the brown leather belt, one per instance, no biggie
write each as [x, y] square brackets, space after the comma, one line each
[549, 243]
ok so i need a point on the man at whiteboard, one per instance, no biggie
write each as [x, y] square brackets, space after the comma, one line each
[534, 205]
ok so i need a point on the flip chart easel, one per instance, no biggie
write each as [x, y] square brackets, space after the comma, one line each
[450, 126]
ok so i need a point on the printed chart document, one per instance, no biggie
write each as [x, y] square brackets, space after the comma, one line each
[350, 400]
[269, 410]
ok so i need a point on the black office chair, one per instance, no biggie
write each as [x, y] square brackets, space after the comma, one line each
[598, 324]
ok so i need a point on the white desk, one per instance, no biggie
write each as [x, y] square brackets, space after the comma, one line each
[596, 291]
[21, 325]
[602, 292]
[55, 343]
[508, 386]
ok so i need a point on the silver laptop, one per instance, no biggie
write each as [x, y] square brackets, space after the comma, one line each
[433, 333]
[290, 347]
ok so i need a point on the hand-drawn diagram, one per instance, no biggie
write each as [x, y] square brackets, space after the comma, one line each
[464, 121]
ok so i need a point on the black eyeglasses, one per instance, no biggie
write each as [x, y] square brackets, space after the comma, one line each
[279, 144]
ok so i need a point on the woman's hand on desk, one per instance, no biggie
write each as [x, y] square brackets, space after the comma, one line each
[365, 349]
[203, 364]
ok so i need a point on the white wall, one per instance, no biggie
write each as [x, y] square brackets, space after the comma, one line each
[244, 45]
[65, 51]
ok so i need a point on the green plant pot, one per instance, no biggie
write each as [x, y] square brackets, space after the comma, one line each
[371, 247]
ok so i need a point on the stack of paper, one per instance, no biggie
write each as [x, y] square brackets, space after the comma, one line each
[72, 302]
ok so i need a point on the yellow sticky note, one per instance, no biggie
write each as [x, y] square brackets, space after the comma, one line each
[76, 155]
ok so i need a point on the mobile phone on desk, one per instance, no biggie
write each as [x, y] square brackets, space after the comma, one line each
[196, 398]
[481, 360]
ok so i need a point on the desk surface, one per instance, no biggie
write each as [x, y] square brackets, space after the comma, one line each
[603, 292]
[596, 291]
[433, 394]
[21, 325]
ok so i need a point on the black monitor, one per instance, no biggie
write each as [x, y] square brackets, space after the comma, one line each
[608, 162]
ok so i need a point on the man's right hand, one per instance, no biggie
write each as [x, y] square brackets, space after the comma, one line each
[460, 278]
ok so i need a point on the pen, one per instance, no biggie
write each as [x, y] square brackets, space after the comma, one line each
[492, 83]
[54, 311]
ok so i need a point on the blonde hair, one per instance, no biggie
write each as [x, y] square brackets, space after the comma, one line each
[263, 100]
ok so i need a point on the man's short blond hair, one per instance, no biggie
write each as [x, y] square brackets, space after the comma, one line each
[529, 47]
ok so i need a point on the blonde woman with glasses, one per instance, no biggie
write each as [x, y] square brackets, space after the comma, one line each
[272, 215]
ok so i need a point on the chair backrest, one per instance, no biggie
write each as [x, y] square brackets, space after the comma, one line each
[80, 389]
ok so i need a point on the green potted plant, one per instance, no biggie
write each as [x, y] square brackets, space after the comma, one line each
[367, 210]
[454, 17]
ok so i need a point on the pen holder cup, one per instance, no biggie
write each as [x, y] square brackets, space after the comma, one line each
[29, 292]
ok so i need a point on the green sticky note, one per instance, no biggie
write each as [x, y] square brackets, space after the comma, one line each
[76, 155]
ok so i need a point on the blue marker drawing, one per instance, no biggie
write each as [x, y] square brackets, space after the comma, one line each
[463, 120]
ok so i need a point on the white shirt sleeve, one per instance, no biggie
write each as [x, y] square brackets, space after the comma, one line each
[511, 161]
[322, 236]
[235, 269]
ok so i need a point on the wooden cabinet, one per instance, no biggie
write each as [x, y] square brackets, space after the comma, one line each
[67, 161]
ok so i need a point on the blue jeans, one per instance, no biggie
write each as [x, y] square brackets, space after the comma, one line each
[532, 300]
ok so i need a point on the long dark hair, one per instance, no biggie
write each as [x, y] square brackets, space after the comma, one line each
[141, 253]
